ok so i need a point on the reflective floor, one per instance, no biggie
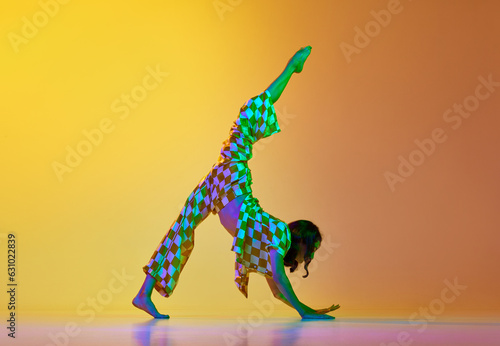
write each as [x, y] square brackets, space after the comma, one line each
[253, 329]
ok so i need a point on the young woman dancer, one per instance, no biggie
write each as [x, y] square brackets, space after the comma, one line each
[262, 242]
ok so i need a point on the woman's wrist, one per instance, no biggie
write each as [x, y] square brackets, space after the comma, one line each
[307, 309]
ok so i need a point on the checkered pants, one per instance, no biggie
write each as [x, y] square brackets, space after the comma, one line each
[211, 194]
[257, 231]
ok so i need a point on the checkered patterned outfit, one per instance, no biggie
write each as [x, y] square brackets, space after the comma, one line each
[229, 178]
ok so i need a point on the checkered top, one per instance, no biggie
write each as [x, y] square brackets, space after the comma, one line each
[257, 232]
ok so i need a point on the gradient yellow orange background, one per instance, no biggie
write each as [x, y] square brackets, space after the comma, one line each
[344, 125]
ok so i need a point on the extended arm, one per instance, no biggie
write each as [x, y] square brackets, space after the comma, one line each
[278, 295]
[282, 283]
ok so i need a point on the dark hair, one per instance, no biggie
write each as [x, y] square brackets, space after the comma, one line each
[305, 232]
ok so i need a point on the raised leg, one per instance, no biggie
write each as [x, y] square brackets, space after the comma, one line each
[294, 65]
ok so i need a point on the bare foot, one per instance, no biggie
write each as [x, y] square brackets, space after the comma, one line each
[300, 57]
[145, 303]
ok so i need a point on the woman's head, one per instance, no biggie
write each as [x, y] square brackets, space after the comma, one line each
[306, 239]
